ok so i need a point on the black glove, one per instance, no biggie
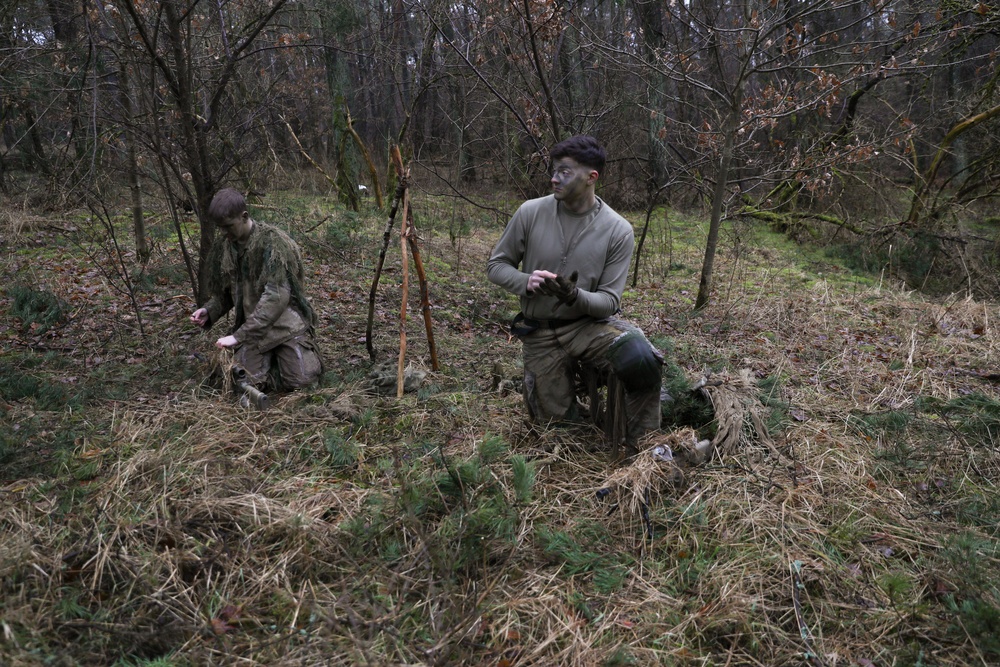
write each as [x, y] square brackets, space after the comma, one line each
[563, 289]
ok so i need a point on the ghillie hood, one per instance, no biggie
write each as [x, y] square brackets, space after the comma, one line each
[271, 256]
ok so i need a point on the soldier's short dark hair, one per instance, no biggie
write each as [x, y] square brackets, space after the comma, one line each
[582, 148]
[227, 203]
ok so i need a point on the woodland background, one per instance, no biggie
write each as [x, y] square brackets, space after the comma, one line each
[813, 186]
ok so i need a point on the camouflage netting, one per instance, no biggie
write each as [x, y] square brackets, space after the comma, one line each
[666, 458]
[739, 414]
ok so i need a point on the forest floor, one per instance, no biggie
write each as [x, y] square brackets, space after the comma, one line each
[147, 519]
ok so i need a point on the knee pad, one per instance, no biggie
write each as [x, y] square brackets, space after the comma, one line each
[635, 362]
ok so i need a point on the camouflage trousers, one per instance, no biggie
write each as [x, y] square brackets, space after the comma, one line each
[551, 356]
[293, 364]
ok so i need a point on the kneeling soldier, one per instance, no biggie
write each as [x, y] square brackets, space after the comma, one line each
[574, 251]
[256, 270]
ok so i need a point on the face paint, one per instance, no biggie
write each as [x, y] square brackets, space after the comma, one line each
[570, 180]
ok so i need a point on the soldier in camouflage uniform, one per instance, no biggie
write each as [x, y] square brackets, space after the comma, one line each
[256, 270]
[567, 256]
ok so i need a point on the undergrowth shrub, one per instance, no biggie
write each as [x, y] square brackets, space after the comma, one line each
[608, 570]
[970, 558]
[40, 308]
[771, 397]
[683, 407]
[342, 229]
[976, 416]
[890, 424]
[148, 279]
[461, 507]
[342, 452]
[16, 384]
[980, 621]
[922, 260]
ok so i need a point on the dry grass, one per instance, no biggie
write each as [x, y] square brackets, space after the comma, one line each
[344, 527]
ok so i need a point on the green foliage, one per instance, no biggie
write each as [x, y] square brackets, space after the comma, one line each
[367, 528]
[980, 509]
[560, 547]
[685, 407]
[524, 477]
[457, 479]
[473, 532]
[976, 416]
[621, 657]
[609, 578]
[897, 586]
[69, 606]
[40, 308]
[980, 621]
[160, 275]
[16, 384]
[771, 397]
[416, 496]
[458, 505]
[162, 661]
[883, 424]
[565, 548]
[492, 448]
[341, 450]
[970, 557]
[921, 259]
[341, 231]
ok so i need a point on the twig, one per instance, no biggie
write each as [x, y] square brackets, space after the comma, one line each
[309, 158]
[406, 293]
[410, 234]
[811, 654]
[386, 235]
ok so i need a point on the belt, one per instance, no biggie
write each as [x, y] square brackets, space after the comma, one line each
[552, 324]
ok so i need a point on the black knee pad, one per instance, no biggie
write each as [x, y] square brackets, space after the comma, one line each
[635, 362]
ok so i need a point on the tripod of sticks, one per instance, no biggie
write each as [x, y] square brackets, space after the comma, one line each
[408, 242]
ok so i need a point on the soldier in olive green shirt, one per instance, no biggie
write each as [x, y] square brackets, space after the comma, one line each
[566, 256]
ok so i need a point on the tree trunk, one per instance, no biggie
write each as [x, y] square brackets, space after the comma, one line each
[721, 182]
[132, 167]
[927, 182]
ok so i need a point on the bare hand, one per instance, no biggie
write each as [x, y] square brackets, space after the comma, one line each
[225, 342]
[537, 278]
[199, 317]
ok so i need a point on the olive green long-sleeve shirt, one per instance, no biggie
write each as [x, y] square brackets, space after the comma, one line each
[542, 235]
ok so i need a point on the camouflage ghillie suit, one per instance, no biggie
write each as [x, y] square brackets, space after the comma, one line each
[598, 247]
[261, 280]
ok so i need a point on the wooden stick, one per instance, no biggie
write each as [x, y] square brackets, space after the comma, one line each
[386, 235]
[402, 306]
[425, 300]
[408, 239]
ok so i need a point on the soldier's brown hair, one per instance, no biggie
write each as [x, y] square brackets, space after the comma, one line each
[227, 203]
[584, 149]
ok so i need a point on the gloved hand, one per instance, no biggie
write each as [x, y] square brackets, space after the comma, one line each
[563, 289]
